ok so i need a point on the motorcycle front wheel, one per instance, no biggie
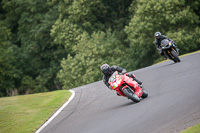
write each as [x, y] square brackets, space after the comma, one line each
[176, 58]
[144, 94]
[131, 95]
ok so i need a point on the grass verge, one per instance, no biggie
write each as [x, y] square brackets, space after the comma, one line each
[25, 114]
[194, 129]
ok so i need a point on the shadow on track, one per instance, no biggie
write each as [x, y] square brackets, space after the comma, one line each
[123, 105]
[168, 65]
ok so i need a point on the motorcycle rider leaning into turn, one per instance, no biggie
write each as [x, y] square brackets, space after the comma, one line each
[159, 37]
[108, 71]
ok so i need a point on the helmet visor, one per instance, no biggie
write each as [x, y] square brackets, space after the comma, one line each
[105, 71]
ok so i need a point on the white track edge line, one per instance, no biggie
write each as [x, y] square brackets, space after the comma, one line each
[57, 112]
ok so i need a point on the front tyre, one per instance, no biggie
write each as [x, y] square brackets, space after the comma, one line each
[144, 94]
[176, 58]
[131, 95]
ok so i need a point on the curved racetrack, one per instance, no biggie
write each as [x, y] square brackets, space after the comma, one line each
[172, 106]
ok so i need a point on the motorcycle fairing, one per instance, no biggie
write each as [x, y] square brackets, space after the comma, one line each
[116, 81]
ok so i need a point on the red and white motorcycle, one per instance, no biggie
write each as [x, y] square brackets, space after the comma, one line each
[127, 87]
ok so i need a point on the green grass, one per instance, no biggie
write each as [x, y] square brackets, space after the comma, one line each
[25, 114]
[194, 129]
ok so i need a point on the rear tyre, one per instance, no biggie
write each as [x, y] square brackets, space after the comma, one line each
[131, 95]
[176, 58]
[144, 94]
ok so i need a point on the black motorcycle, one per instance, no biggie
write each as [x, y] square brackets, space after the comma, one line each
[170, 50]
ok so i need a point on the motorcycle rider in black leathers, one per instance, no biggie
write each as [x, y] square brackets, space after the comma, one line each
[108, 71]
[159, 37]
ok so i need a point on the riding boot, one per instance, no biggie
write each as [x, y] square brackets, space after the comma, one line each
[163, 53]
[165, 56]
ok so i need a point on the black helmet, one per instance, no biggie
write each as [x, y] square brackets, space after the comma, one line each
[105, 68]
[157, 34]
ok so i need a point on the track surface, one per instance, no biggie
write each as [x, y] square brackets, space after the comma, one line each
[172, 106]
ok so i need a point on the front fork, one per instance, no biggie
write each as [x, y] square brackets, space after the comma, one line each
[169, 55]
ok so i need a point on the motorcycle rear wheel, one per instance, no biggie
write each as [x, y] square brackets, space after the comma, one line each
[131, 95]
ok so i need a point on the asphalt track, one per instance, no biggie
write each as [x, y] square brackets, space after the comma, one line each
[172, 106]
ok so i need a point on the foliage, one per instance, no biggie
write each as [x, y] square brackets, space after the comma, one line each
[173, 18]
[92, 51]
[47, 45]
[8, 71]
[34, 55]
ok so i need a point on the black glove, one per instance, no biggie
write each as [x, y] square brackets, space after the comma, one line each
[124, 71]
[130, 75]
[138, 81]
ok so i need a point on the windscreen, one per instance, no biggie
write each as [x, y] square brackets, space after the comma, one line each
[112, 78]
[164, 43]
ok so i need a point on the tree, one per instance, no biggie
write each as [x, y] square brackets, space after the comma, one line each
[91, 52]
[38, 58]
[76, 17]
[8, 71]
[168, 17]
[36, 35]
